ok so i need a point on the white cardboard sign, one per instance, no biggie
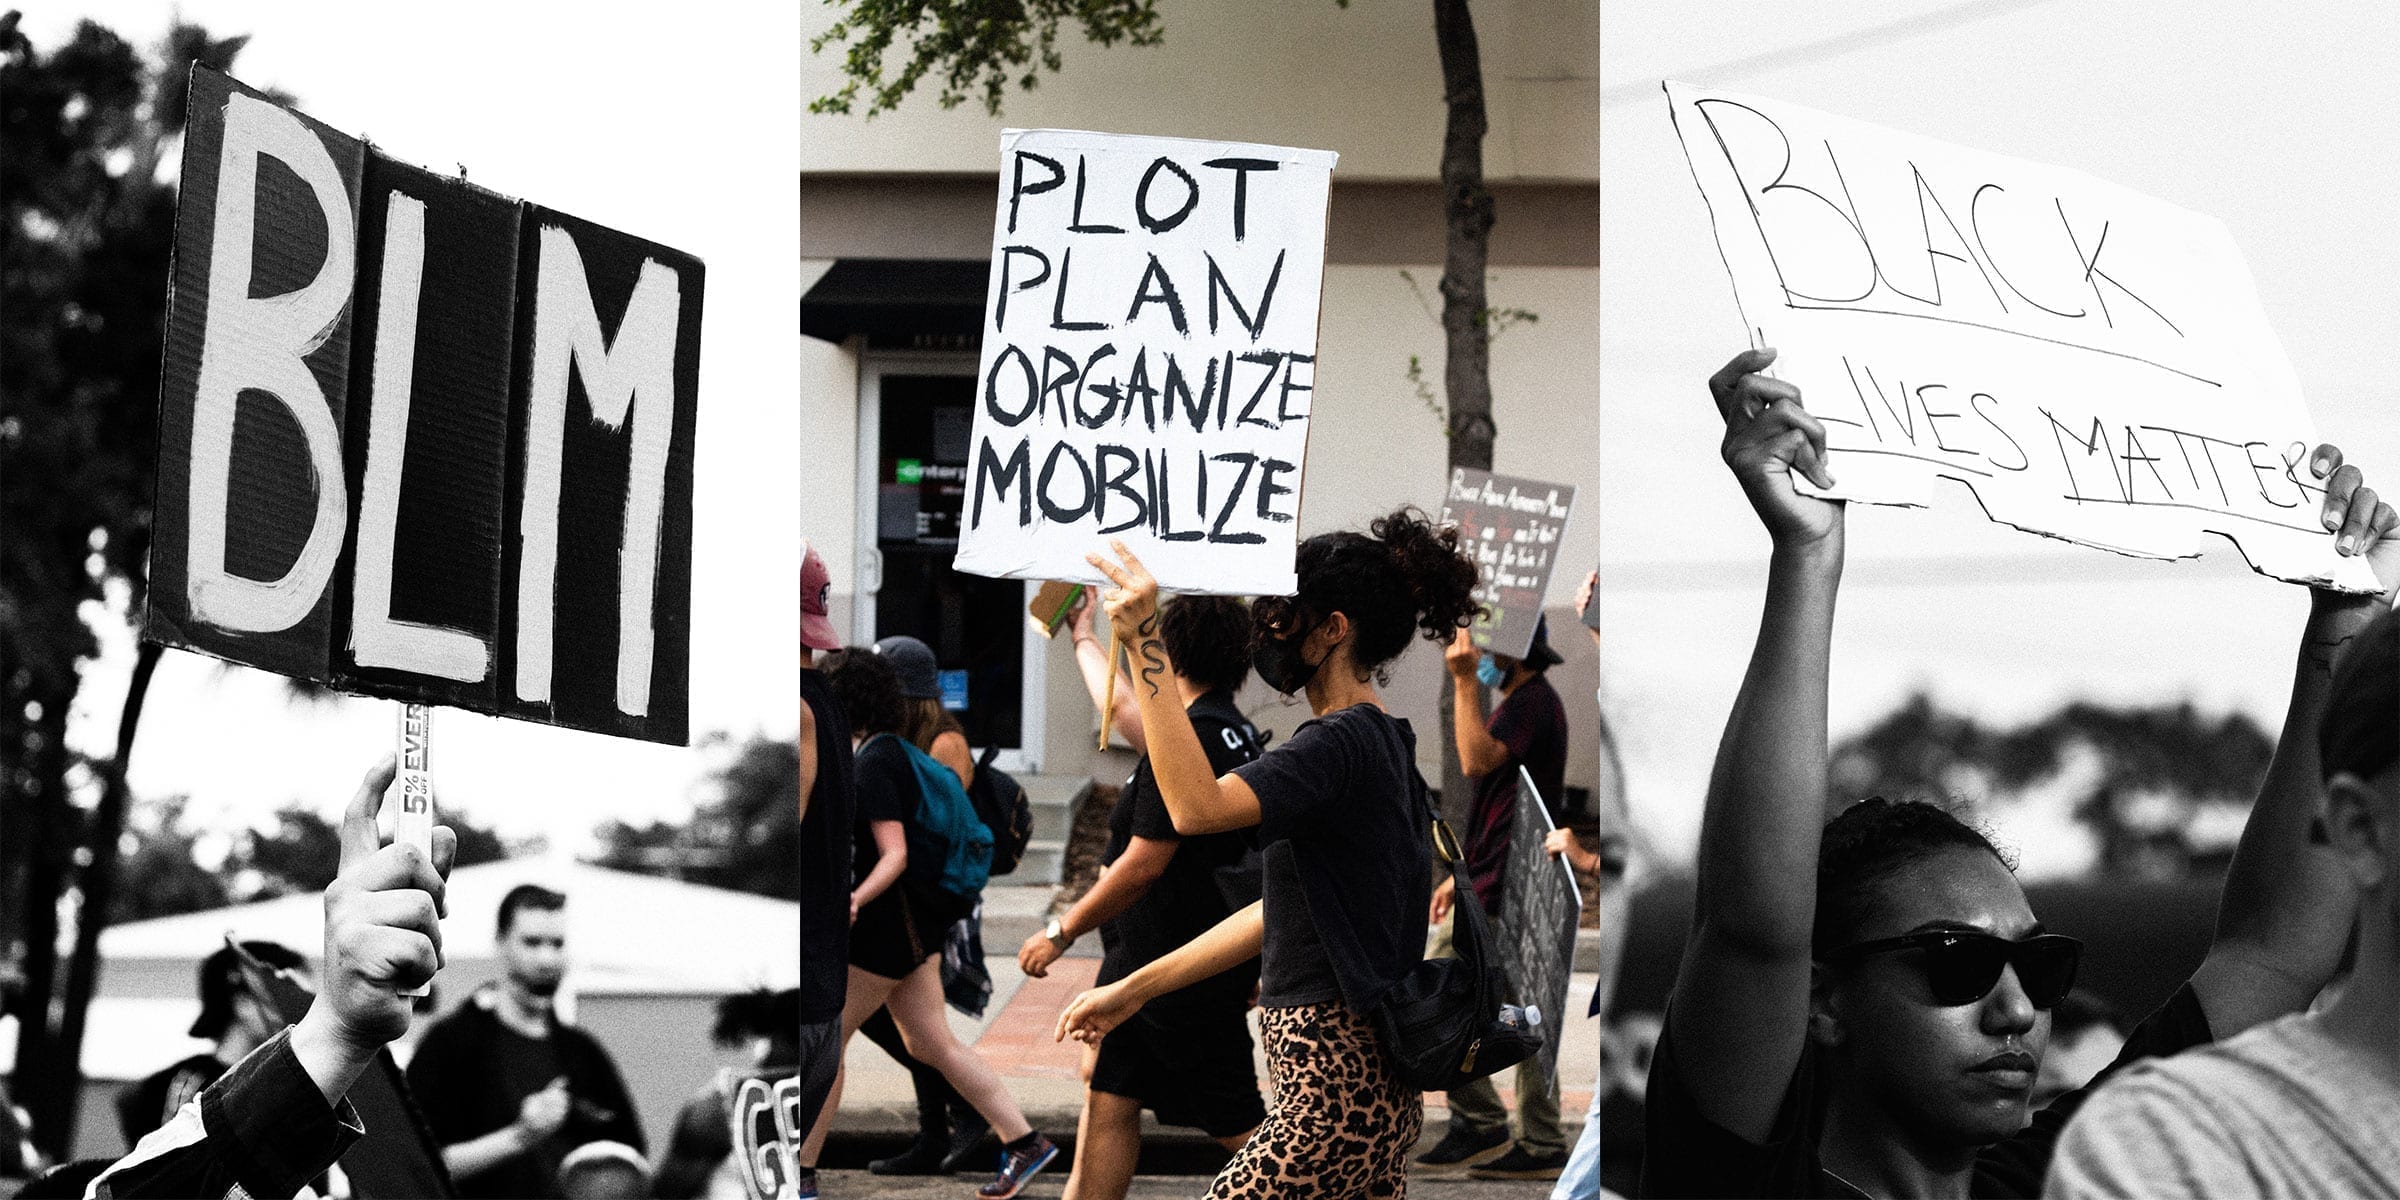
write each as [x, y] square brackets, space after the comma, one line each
[1149, 358]
[2093, 363]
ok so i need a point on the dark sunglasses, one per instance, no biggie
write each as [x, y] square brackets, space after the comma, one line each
[1962, 966]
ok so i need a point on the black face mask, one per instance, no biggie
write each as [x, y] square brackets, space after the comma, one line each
[1280, 665]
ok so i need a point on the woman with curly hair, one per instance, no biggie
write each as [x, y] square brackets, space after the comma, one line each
[1348, 863]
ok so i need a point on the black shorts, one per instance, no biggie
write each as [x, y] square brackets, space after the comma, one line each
[1190, 1064]
[895, 934]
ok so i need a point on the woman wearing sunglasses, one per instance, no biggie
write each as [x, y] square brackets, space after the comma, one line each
[1863, 1004]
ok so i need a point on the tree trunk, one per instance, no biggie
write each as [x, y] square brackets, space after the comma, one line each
[99, 885]
[1466, 335]
[38, 1082]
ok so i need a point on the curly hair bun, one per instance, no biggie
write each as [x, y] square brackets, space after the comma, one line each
[1441, 580]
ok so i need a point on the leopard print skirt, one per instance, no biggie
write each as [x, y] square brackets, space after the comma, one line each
[1342, 1122]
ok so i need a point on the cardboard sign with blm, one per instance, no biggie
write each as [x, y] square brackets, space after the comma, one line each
[419, 440]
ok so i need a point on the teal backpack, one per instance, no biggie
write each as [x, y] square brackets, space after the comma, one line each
[949, 848]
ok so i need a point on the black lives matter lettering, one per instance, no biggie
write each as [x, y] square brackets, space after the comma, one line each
[1150, 356]
[2092, 363]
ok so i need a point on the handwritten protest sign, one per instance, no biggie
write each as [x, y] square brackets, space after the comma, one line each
[2094, 364]
[764, 1112]
[1540, 909]
[1511, 528]
[1149, 358]
[419, 440]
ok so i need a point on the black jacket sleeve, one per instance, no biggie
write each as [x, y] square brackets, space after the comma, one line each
[262, 1130]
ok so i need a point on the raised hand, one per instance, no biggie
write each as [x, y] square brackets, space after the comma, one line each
[382, 930]
[1461, 656]
[2363, 523]
[1132, 603]
[1769, 438]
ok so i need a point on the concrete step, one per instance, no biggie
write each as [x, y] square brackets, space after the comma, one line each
[1053, 799]
[1044, 863]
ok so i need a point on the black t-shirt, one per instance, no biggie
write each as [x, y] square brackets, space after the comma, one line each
[1686, 1154]
[825, 850]
[1344, 799]
[472, 1072]
[1185, 901]
[885, 788]
[1532, 723]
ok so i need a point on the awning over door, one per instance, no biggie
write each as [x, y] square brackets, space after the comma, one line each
[899, 303]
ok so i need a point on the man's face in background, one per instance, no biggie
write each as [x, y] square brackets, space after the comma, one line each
[534, 950]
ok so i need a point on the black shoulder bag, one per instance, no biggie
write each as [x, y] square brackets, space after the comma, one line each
[1444, 1022]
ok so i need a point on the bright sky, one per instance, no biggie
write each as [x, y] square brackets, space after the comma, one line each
[2275, 119]
[683, 131]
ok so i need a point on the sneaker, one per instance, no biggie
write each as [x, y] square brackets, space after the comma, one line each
[970, 1146]
[923, 1157]
[1017, 1168]
[1519, 1164]
[808, 1183]
[1463, 1147]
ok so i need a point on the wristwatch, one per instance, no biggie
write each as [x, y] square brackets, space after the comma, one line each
[1058, 937]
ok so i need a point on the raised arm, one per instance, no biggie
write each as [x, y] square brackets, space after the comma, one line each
[1739, 1010]
[1093, 662]
[1479, 753]
[1197, 799]
[2286, 912]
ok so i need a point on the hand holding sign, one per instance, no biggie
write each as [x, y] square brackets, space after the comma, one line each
[382, 936]
[2364, 525]
[1769, 439]
[1461, 657]
[382, 919]
[1132, 602]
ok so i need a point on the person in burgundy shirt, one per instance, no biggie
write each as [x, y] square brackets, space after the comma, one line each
[1528, 729]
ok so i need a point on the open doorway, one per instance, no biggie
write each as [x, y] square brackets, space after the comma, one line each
[915, 419]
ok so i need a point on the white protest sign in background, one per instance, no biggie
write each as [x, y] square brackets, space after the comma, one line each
[1149, 359]
[2093, 363]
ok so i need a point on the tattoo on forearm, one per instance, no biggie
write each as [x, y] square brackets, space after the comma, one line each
[1154, 656]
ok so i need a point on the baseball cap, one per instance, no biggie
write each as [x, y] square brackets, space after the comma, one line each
[221, 979]
[913, 662]
[1539, 655]
[816, 591]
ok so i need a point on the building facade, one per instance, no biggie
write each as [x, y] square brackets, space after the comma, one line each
[896, 219]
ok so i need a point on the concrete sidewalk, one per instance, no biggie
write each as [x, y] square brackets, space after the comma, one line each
[1016, 1032]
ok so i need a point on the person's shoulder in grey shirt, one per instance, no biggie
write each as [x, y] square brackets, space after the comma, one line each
[2281, 1110]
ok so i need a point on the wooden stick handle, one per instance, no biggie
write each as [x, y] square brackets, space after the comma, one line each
[1108, 709]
